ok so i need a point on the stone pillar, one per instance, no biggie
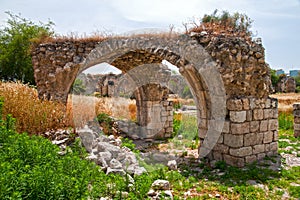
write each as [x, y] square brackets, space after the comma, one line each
[250, 131]
[154, 111]
[296, 112]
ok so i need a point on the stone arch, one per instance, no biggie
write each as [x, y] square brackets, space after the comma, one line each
[250, 130]
[194, 63]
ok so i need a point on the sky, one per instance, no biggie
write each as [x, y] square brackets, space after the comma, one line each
[277, 22]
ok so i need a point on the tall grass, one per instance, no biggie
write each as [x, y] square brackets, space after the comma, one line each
[36, 116]
[32, 114]
[285, 121]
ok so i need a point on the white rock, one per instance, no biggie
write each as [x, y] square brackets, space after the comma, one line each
[160, 185]
[151, 193]
[172, 164]
[115, 164]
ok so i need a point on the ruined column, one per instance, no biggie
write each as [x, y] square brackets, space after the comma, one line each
[296, 112]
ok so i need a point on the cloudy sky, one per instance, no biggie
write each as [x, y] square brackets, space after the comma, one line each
[277, 22]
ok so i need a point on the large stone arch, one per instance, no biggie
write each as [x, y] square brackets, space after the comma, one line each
[194, 63]
[250, 127]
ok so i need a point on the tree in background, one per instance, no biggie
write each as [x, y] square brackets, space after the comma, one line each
[274, 78]
[16, 39]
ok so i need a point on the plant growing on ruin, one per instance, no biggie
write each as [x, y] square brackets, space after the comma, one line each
[225, 23]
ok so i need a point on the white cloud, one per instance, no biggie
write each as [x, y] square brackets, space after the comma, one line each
[273, 19]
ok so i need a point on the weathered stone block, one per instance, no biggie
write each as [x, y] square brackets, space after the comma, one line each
[275, 113]
[274, 146]
[261, 156]
[250, 159]
[254, 126]
[258, 114]
[226, 127]
[296, 126]
[268, 137]
[267, 147]
[246, 103]
[268, 113]
[234, 104]
[258, 148]
[221, 139]
[249, 115]
[268, 103]
[221, 148]
[296, 120]
[264, 125]
[240, 128]
[233, 140]
[217, 156]
[296, 106]
[234, 161]
[237, 116]
[202, 133]
[296, 133]
[241, 152]
[275, 136]
[273, 124]
[253, 139]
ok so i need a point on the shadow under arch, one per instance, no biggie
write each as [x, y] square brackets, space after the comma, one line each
[195, 65]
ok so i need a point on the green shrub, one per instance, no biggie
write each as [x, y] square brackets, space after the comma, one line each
[285, 121]
[106, 123]
[188, 127]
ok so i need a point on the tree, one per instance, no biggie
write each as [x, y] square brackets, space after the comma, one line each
[16, 39]
[274, 78]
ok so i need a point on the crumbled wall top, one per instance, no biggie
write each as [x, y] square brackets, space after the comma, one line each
[240, 61]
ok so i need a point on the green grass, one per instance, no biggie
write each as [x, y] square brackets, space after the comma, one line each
[286, 121]
[31, 168]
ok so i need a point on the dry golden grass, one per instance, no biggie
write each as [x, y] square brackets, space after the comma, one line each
[33, 115]
[286, 101]
[36, 116]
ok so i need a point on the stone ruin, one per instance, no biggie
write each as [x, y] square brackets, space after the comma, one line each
[286, 85]
[227, 75]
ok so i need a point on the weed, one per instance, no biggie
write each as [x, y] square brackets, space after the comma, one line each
[285, 121]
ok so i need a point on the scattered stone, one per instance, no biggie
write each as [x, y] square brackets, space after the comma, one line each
[172, 164]
[152, 193]
[180, 137]
[87, 137]
[115, 164]
[160, 185]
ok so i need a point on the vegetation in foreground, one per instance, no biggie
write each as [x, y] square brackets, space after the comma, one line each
[32, 168]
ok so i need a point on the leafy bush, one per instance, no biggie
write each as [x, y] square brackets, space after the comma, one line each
[78, 87]
[15, 41]
[188, 127]
[225, 23]
[176, 123]
[31, 168]
[106, 123]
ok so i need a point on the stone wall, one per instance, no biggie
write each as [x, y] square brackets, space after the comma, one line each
[241, 63]
[286, 84]
[250, 131]
[159, 124]
[296, 113]
[207, 62]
